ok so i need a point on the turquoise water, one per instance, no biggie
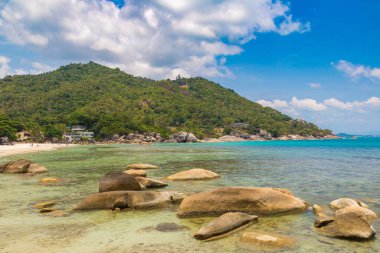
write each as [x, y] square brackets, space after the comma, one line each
[316, 171]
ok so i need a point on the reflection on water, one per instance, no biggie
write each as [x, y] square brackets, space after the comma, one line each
[317, 171]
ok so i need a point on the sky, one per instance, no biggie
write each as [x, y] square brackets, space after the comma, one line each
[315, 60]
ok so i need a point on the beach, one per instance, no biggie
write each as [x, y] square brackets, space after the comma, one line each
[24, 148]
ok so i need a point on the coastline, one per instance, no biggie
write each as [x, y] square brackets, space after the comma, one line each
[24, 148]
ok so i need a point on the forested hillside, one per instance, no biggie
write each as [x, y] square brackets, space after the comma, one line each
[109, 101]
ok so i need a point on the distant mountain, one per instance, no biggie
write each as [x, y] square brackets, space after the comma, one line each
[109, 101]
[344, 135]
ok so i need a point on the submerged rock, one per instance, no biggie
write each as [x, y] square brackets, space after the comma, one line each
[22, 166]
[118, 181]
[46, 204]
[48, 180]
[150, 183]
[194, 174]
[141, 166]
[169, 227]
[267, 240]
[241, 199]
[224, 224]
[129, 199]
[136, 173]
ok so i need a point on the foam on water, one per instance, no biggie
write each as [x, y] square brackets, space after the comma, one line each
[317, 171]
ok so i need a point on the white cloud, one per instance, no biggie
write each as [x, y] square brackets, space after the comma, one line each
[153, 37]
[332, 113]
[274, 104]
[315, 85]
[4, 66]
[307, 104]
[296, 106]
[356, 71]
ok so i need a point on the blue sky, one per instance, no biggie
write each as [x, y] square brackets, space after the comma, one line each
[316, 60]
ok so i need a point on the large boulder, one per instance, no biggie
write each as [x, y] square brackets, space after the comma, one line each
[266, 240]
[129, 199]
[150, 183]
[141, 166]
[22, 166]
[118, 181]
[194, 174]
[224, 224]
[249, 200]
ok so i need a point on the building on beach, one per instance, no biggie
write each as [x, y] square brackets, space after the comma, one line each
[78, 133]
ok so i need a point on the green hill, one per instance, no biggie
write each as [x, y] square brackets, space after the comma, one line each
[109, 101]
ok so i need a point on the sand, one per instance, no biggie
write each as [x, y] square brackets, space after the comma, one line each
[22, 148]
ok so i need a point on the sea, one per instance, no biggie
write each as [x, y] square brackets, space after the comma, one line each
[318, 171]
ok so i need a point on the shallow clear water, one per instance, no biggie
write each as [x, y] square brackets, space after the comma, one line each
[317, 171]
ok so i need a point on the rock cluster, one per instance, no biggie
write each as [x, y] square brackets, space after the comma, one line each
[182, 137]
[352, 219]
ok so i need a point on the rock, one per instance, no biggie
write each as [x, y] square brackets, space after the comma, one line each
[364, 213]
[267, 240]
[169, 227]
[19, 166]
[47, 210]
[345, 202]
[48, 180]
[136, 173]
[348, 223]
[224, 224]
[322, 218]
[42, 205]
[141, 166]
[241, 199]
[118, 181]
[22, 166]
[35, 168]
[129, 199]
[150, 183]
[194, 174]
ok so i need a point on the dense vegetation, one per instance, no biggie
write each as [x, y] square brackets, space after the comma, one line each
[109, 101]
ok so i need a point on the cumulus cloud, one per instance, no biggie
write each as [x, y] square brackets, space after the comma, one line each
[356, 71]
[315, 85]
[295, 106]
[156, 38]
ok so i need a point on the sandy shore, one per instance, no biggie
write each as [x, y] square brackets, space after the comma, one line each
[22, 148]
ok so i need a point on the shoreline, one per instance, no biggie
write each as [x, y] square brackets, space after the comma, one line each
[25, 148]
